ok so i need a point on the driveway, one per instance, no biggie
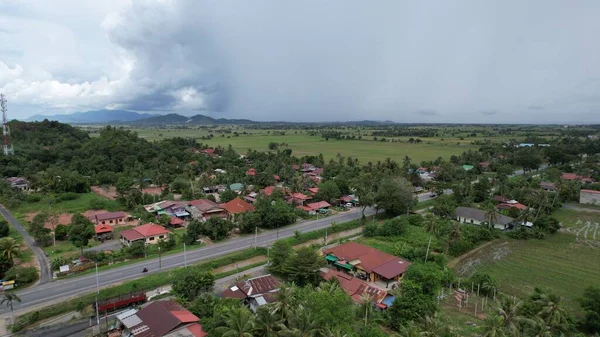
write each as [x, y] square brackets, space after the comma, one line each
[45, 272]
[107, 245]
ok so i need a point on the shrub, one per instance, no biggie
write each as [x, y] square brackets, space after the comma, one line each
[33, 197]
[67, 196]
[22, 275]
[4, 229]
[98, 204]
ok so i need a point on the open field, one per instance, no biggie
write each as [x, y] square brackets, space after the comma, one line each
[79, 205]
[302, 143]
[560, 263]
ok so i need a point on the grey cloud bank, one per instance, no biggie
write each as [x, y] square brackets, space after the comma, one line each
[465, 61]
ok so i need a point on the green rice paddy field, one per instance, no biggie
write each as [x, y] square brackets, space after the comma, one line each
[303, 144]
[563, 263]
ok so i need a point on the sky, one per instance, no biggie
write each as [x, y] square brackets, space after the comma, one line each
[479, 61]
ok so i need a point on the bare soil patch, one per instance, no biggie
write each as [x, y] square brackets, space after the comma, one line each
[153, 190]
[108, 192]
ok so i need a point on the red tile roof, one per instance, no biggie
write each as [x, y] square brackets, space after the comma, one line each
[509, 206]
[295, 167]
[99, 229]
[591, 191]
[162, 317]
[251, 172]
[300, 196]
[210, 150]
[370, 258]
[318, 205]
[569, 176]
[176, 221]
[196, 330]
[392, 269]
[237, 206]
[313, 190]
[355, 287]
[547, 185]
[184, 316]
[500, 198]
[150, 229]
[276, 177]
[110, 215]
[484, 164]
[203, 204]
[258, 285]
[131, 235]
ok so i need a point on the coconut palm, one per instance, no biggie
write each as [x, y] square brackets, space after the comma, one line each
[239, 322]
[540, 328]
[9, 248]
[491, 214]
[431, 224]
[334, 333]
[267, 323]
[8, 300]
[285, 301]
[365, 308]
[494, 326]
[302, 324]
[432, 326]
[509, 308]
[552, 312]
[409, 329]
[329, 287]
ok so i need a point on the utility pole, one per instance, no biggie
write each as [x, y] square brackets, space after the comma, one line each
[97, 295]
[184, 257]
[159, 260]
[427, 254]
[255, 236]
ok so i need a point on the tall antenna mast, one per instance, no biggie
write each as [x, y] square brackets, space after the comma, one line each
[6, 145]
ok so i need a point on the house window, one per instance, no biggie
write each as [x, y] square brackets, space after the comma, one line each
[111, 221]
[103, 222]
[120, 220]
[161, 236]
[471, 220]
[151, 238]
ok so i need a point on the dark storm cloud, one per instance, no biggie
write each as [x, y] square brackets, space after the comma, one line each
[324, 60]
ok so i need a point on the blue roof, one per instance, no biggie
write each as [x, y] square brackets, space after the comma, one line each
[388, 300]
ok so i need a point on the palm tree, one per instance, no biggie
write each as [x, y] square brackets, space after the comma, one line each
[552, 313]
[9, 248]
[431, 224]
[302, 324]
[433, 327]
[494, 326]
[540, 328]
[454, 236]
[334, 333]
[239, 322]
[409, 329]
[365, 308]
[491, 214]
[330, 286]
[285, 301]
[509, 308]
[267, 324]
[8, 300]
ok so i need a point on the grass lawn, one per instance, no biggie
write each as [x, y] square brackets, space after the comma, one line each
[559, 263]
[81, 204]
[571, 217]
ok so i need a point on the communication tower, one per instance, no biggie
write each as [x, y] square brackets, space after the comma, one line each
[6, 145]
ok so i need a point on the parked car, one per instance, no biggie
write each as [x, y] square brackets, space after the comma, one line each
[348, 205]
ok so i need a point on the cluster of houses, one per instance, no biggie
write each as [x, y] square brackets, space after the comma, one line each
[361, 271]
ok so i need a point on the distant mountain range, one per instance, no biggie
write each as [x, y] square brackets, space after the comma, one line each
[143, 119]
[95, 117]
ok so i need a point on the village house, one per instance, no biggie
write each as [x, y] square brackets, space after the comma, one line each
[316, 207]
[235, 207]
[297, 199]
[251, 172]
[500, 199]
[512, 204]
[204, 209]
[357, 289]
[160, 319]
[476, 217]
[149, 233]
[214, 189]
[574, 176]
[589, 197]
[547, 186]
[169, 208]
[349, 199]
[18, 183]
[103, 232]
[110, 218]
[254, 292]
[484, 165]
[270, 189]
[236, 187]
[363, 261]
[313, 190]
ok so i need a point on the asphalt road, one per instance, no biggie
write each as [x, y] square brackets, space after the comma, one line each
[45, 272]
[61, 290]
